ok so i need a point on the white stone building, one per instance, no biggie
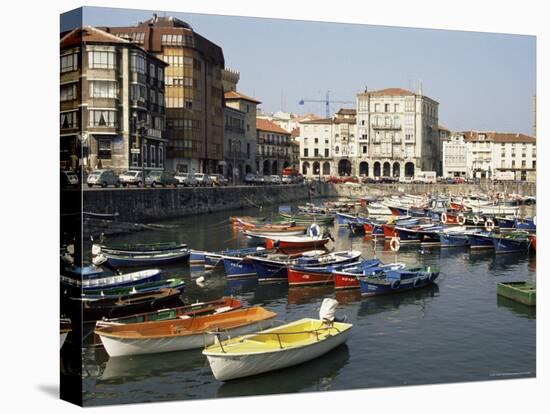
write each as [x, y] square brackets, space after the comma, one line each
[454, 156]
[391, 133]
[491, 153]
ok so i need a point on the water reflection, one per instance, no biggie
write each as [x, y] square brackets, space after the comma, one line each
[120, 370]
[378, 304]
[314, 375]
[520, 309]
[303, 294]
[507, 262]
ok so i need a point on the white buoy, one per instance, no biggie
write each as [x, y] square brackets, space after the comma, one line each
[200, 281]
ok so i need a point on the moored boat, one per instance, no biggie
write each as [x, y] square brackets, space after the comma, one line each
[180, 334]
[480, 240]
[224, 304]
[514, 242]
[273, 267]
[143, 258]
[114, 281]
[276, 348]
[393, 281]
[116, 292]
[348, 276]
[522, 292]
[303, 275]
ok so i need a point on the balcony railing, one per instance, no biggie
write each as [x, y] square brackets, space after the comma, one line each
[387, 127]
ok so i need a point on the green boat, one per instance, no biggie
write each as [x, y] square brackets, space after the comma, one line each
[303, 218]
[522, 292]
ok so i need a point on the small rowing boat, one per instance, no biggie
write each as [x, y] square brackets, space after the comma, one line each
[276, 348]
[320, 274]
[180, 334]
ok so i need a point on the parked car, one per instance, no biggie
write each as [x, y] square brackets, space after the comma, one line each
[162, 178]
[68, 179]
[218, 179]
[250, 178]
[203, 180]
[186, 179]
[275, 179]
[103, 178]
[287, 179]
[259, 180]
[134, 177]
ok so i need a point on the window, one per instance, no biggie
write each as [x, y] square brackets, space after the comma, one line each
[137, 92]
[153, 155]
[101, 60]
[376, 107]
[377, 137]
[364, 149]
[534, 164]
[68, 92]
[153, 96]
[137, 63]
[69, 63]
[396, 107]
[306, 152]
[104, 149]
[337, 149]
[316, 140]
[102, 118]
[523, 164]
[363, 122]
[386, 107]
[316, 152]
[409, 138]
[326, 152]
[305, 140]
[513, 163]
[152, 71]
[160, 73]
[103, 89]
[69, 119]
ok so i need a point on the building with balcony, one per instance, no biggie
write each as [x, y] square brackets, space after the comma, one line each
[316, 137]
[240, 134]
[193, 94]
[455, 157]
[491, 153]
[398, 133]
[273, 148]
[112, 111]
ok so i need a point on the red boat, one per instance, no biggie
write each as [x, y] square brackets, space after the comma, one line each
[310, 275]
[533, 238]
[389, 231]
[452, 218]
[368, 228]
[345, 282]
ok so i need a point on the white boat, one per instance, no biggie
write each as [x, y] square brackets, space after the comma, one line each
[266, 234]
[180, 334]
[276, 348]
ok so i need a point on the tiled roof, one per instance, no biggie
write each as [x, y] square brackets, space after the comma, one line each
[89, 34]
[347, 111]
[389, 92]
[268, 126]
[238, 95]
[351, 120]
[442, 128]
[502, 137]
[306, 117]
[295, 132]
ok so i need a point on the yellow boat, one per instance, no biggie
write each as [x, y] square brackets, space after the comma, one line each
[275, 348]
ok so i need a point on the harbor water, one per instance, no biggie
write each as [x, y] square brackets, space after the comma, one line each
[455, 331]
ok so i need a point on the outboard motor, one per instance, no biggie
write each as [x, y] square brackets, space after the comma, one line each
[327, 312]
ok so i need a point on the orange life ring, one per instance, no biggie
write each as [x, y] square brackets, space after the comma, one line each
[394, 244]
[444, 218]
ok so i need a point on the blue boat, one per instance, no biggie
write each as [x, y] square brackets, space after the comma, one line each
[213, 260]
[343, 219]
[128, 291]
[511, 243]
[429, 236]
[504, 222]
[238, 267]
[408, 234]
[114, 281]
[87, 272]
[480, 240]
[197, 257]
[525, 224]
[393, 281]
[453, 239]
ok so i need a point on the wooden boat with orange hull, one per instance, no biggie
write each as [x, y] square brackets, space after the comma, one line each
[181, 334]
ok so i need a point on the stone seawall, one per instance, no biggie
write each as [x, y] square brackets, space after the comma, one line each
[345, 190]
[137, 205]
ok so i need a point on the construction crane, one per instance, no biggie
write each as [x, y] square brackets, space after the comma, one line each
[326, 101]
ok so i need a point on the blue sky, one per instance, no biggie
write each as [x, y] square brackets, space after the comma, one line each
[482, 81]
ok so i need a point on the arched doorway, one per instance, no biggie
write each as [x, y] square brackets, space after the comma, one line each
[377, 169]
[267, 169]
[326, 168]
[396, 169]
[364, 169]
[275, 168]
[247, 169]
[305, 168]
[387, 170]
[344, 167]
[409, 169]
[316, 168]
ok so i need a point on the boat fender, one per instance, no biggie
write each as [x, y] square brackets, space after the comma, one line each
[489, 225]
[461, 219]
[476, 220]
[395, 244]
[416, 282]
[535, 220]
[444, 218]
[395, 284]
